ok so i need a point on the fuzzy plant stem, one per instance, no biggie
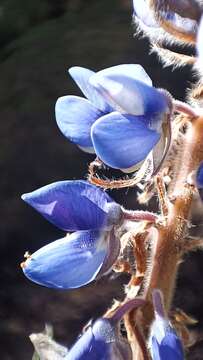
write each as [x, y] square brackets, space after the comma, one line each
[169, 245]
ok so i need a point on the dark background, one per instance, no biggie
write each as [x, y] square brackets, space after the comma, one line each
[39, 41]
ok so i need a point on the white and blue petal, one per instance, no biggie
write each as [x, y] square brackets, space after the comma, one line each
[122, 141]
[145, 18]
[143, 12]
[129, 94]
[74, 117]
[134, 71]
[176, 12]
[200, 46]
[70, 262]
[182, 14]
[164, 342]
[183, 24]
[190, 9]
[75, 205]
[81, 76]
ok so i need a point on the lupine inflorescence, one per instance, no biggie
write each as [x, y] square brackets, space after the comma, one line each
[130, 126]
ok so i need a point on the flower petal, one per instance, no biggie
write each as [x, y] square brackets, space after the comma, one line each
[199, 180]
[155, 349]
[143, 12]
[81, 76]
[70, 262]
[171, 347]
[129, 95]
[199, 176]
[182, 24]
[86, 348]
[112, 253]
[91, 347]
[122, 141]
[75, 205]
[100, 342]
[164, 343]
[134, 71]
[74, 117]
[179, 14]
[191, 9]
[146, 21]
[161, 149]
[200, 46]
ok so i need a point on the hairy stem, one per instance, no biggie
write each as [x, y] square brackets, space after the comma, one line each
[170, 240]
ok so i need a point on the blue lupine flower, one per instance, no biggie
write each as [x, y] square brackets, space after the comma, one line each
[122, 120]
[99, 342]
[125, 138]
[164, 342]
[91, 251]
[75, 205]
[75, 115]
[102, 340]
[78, 258]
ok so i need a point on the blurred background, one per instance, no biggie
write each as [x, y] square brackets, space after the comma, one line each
[39, 41]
